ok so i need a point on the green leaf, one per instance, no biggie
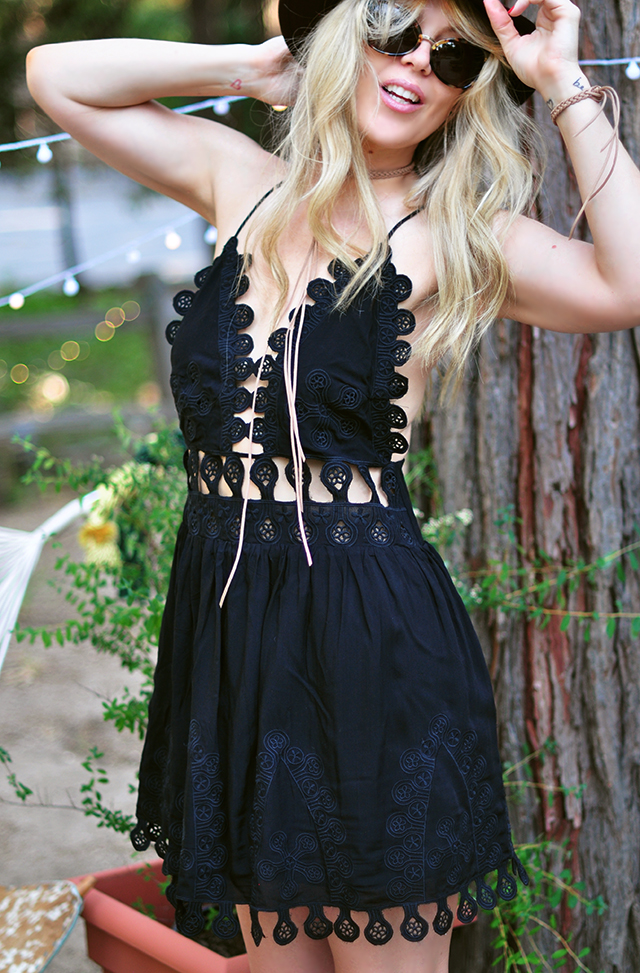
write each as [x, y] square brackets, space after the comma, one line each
[611, 627]
[620, 572]
[633, 560]
[635, 627]
[564, 624]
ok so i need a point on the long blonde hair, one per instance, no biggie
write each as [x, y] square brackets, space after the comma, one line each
[473, 168]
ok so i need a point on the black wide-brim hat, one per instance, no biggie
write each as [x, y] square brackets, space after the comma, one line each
[299, 17]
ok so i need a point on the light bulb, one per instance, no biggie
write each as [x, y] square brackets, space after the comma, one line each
[44, 153]
[70, 287]
[16, 301]
[633, 70]
[221, 108]
[172, 240]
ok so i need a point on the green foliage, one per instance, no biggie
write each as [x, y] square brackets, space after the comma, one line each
[118, 609]
[540, 589]
[519, 923]
[21, 790]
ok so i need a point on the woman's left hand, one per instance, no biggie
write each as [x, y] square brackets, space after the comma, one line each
[548, 58]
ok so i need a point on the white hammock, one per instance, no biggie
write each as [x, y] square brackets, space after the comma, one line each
[19, 554]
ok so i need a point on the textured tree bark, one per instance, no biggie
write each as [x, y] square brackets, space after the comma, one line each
[550, 423]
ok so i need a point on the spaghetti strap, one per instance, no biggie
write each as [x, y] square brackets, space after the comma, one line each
[400, 222]
[269, 191]
[248, 217]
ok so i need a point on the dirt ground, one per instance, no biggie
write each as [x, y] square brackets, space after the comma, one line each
[50, 715]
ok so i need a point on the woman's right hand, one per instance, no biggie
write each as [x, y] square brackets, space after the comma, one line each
[277, 73]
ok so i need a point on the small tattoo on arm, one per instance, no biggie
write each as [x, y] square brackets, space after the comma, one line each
[578, 84]
[550, 104]
[237, 84]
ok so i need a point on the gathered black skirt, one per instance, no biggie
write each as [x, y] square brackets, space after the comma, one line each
[328, 737]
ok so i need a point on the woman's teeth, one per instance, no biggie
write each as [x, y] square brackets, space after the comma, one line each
[402, 94]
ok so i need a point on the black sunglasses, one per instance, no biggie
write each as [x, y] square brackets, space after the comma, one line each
[454, 62]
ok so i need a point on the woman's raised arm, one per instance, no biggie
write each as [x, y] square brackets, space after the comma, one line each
[102, 93]
[561, 284]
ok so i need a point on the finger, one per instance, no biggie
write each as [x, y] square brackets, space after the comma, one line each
[520, 6]
[502, 24]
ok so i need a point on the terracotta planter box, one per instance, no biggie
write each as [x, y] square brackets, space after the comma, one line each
[122, 940]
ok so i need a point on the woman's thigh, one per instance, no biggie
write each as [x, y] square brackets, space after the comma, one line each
[397, 956]
[303, 955]
[332, 955]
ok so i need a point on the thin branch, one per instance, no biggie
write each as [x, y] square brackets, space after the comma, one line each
[525, 760]
[561, 939]
[536, 949]
[42, 804]
[522, 952]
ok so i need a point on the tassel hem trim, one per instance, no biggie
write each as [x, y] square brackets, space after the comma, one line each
[190, 920]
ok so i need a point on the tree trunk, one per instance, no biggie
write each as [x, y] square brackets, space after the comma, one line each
[550, 424]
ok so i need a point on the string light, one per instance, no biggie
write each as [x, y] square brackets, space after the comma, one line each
[220, 106]
[633, 70]
[17, 299]
[44, 141]
[172, 239]
[44, 153]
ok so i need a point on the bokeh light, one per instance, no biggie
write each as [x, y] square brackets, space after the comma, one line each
[131, 310]
[104, 331]
[172, 240]
[16, 301]
[54, 388]
[70, 350]
[85, 350]
[4, 368]
[115, 316]
[148, 395]
[55, 360]
[19, 374]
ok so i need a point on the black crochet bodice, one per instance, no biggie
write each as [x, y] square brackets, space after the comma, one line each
[347, 375]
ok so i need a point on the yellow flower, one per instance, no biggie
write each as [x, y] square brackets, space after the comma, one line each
[98, 533]
[98, 537]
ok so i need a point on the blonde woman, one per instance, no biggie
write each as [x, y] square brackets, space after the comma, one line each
[322, 750]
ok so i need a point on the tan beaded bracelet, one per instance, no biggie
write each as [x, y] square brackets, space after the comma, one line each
[599, 93]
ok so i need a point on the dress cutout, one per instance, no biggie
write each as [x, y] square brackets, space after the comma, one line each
[328, 736]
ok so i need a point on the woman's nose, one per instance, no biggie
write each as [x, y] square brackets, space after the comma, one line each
[421, 57]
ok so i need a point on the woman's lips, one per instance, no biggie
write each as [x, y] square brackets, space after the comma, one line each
[401, 95]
